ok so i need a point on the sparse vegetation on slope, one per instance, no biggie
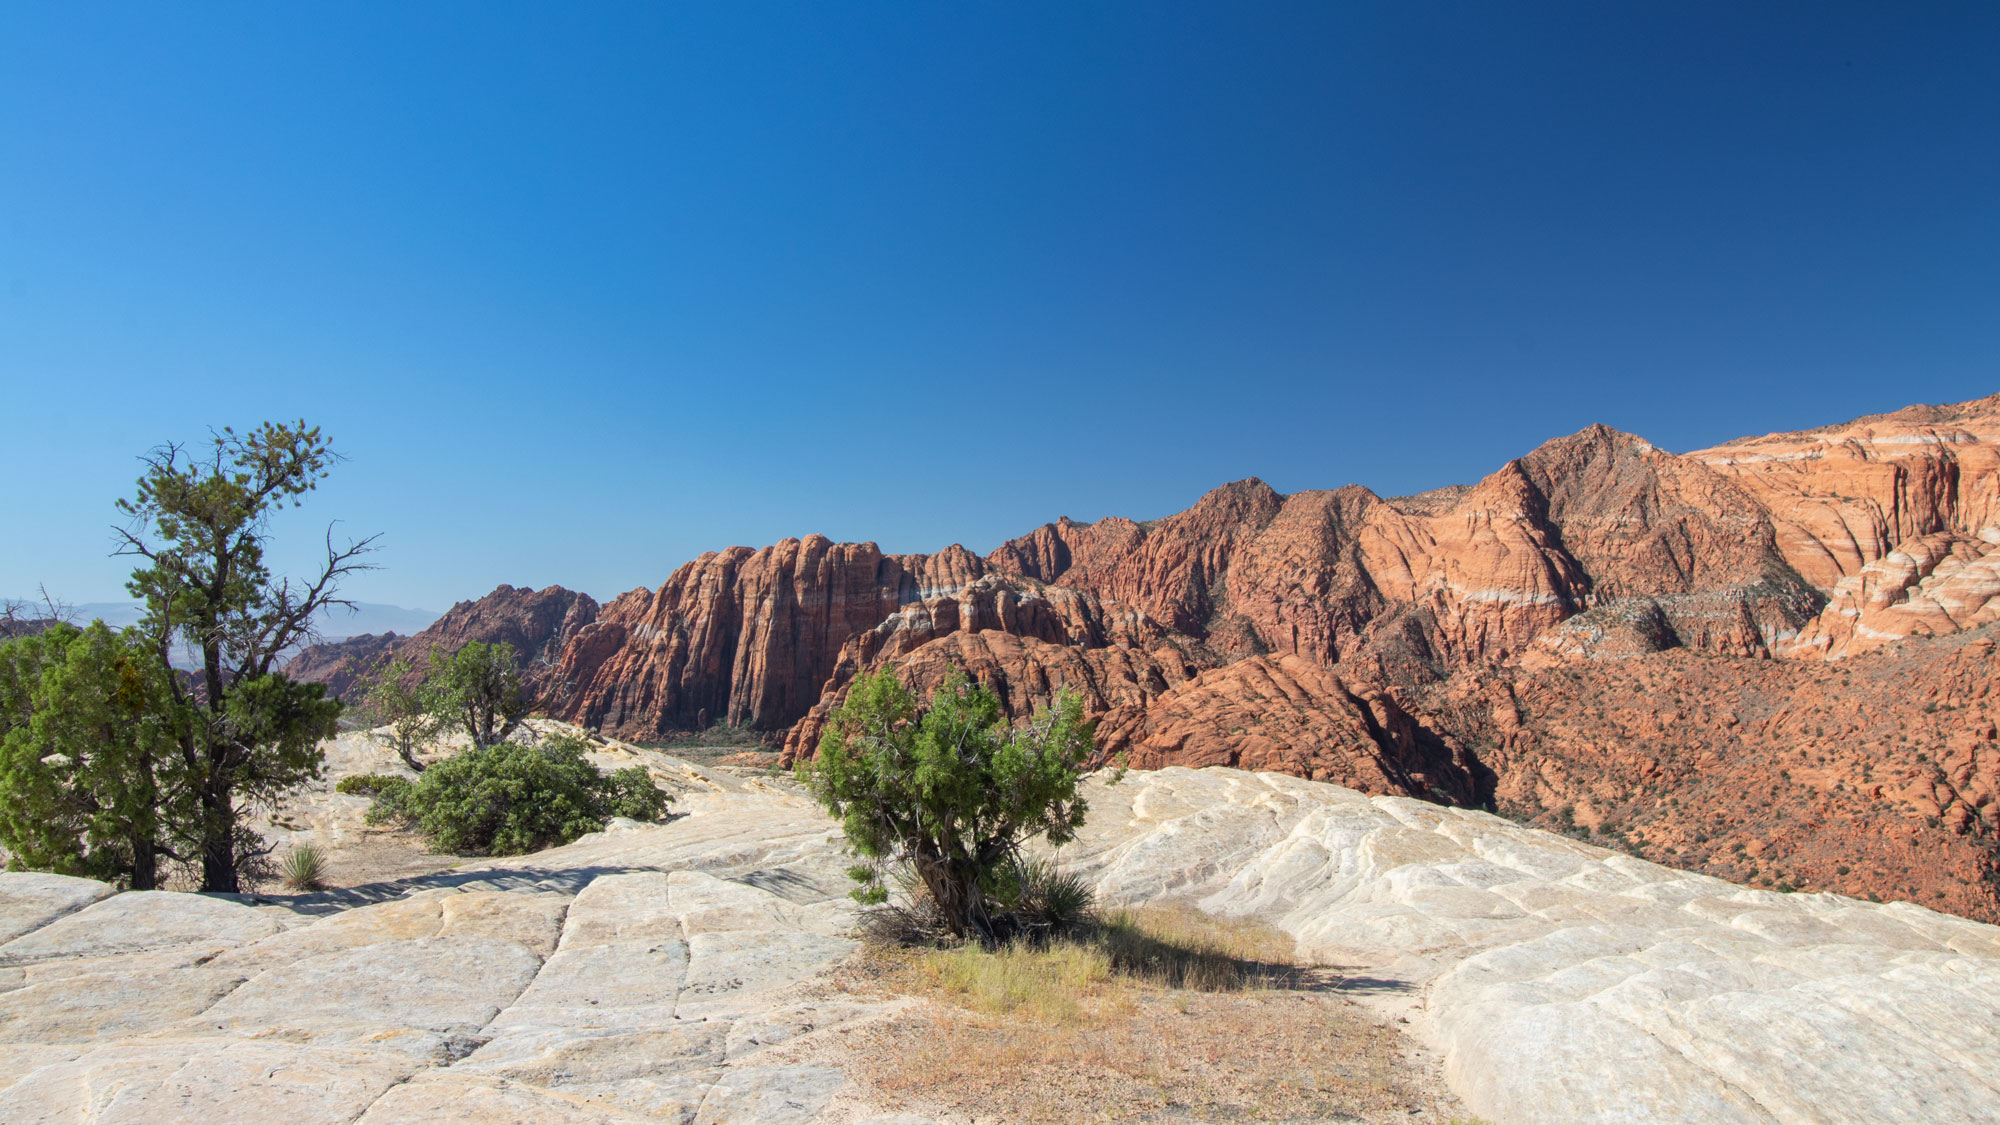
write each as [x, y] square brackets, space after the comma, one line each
[1157, 1014]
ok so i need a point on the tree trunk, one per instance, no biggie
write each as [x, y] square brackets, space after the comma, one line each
[145, 863]
[218, 841]
[955, 889]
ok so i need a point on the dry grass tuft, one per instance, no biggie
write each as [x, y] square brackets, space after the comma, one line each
[1179, 947]
[1156, 1014]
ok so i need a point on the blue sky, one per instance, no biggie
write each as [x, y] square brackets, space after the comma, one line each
[583, 291]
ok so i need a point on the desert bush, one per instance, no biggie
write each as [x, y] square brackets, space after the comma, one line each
[304, 868]
[368, 784]
[947, 790]
[1031, 899]
[91, 783]
[632, 793]
[510, 798]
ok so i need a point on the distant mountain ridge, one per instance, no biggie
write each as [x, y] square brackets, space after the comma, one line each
[334, 624]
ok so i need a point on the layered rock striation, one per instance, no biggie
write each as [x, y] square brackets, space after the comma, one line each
[681, 972]
[1344, 636]
[1568, 983]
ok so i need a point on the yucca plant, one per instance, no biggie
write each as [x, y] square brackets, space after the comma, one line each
[1049, 900]
[304, 868]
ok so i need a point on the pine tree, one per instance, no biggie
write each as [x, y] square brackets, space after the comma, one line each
[200, 524]
[90, 781]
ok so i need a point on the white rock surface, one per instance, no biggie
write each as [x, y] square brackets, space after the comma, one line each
[661, 973]
[1567, 983]
[34, 900]
[644, 974]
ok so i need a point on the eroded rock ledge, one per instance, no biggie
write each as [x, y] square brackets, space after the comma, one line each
[665, 973]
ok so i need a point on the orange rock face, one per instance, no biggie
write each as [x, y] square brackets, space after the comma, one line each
[1291, 715]
[1598, 633]
[742, 637]
[1894, 516]
[1878, 775]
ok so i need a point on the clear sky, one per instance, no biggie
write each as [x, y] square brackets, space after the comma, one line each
[584, 290]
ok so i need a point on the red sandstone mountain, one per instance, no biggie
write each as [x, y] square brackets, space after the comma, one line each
[538, 623]
[1566, 639]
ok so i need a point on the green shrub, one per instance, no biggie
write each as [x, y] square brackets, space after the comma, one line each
[631, 793]
[947, 789]
[392, 800]
[368, 784]
[510, 798]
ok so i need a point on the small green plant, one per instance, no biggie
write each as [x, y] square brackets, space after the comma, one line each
[1120, 766]
[510, 798]
[304, 868]
[368, 784]
[1046, 899]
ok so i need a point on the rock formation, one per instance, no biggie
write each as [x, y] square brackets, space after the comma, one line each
[677, 972]
[1566, 983]
[339, 664]
[741, 637]
[1344, 636]
[540, 624]
[1922, 482]
[1877, 775]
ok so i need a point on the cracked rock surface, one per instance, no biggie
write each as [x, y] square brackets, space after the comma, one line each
[665, 973]
[641, 974]
[1568, 983]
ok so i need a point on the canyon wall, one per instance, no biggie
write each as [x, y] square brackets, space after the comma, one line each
[1343, 636]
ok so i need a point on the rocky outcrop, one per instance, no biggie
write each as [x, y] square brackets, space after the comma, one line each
[540, 624]
[1290, 715]
[1473, 576]
[741, 637]
[1877, 775]
[1569, 983]
[340, 664]
[679, 972]
[641, 975]
[1929, 586]
[1923, 482]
